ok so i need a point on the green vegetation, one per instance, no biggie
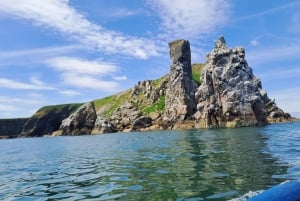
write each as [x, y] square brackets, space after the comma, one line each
[55, 108]
[159, 81]
[159, 106]
[196, 72]
[111, 103]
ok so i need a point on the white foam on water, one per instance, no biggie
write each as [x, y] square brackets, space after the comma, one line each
[247, 196]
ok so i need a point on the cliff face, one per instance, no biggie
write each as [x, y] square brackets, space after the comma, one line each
[223, 92]
[230, 95]
[80, 122]
[180, 96]
[11, 128]
[47, 120]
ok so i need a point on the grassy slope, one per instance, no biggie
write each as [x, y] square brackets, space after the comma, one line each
[196, 72]
[57, 108]
[111, 103]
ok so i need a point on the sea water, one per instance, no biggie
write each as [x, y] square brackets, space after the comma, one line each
[204, 164]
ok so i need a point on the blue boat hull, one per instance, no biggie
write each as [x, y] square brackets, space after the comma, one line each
[287, 191]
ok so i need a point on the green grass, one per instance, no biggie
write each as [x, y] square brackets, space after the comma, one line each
[159, 106]
[112, 102]
[56, 108]
[196, 72]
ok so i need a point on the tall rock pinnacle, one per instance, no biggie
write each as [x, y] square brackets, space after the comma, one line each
[180, 96]
[230, 95]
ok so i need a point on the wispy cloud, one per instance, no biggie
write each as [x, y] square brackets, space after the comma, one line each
[34, 84]
[69, 93]
[124, 12]
[24, 106]
[272, 54]
[35, 55]
[295, 23]
[191, 18]
[287, 99]
[59, 16]
[268, 11]
[84, 73]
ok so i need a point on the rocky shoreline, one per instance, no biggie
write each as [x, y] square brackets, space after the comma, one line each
[224, 92]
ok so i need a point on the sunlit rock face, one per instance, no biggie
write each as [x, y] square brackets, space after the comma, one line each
[180, 92]
[230, 95]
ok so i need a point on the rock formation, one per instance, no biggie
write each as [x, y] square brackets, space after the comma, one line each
[180, 92]
[47, 120]
[230, 95]
[226, 94]
[11, 128]
[81, 121]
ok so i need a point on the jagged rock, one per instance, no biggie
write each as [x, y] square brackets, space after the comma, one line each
[124, 116]
[47, 120]
[148, 92]
[180, 92]
[81, 121]
[103, 126]
[230, 95]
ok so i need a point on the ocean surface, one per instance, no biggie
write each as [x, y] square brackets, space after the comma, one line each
[215, 164]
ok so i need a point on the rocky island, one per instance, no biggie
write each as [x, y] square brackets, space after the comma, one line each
[222, 92]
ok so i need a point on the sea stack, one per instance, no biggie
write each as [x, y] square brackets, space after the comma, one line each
[180, 91]
[230, 95]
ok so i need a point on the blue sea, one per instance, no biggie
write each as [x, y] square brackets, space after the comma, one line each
[204, 164]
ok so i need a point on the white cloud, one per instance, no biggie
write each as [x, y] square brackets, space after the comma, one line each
[269, 11]
[33, 85]
[69, 93]
[191, 18]
[76, 65]
[89, 82]
[119, 78]
[254, 42]
[123, 12]
[272, 54]
[36, 55]
[59, 16]
[84, 73]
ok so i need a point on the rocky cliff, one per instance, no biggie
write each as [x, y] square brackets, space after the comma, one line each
[47, 120]
[230, 95]
[180, 92]
[223, 92]
[11, 128]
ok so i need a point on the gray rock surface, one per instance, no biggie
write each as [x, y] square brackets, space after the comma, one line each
[180, 92]
[230, 95]
[81, 121]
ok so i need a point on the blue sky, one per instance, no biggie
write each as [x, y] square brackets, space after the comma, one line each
[63, 51]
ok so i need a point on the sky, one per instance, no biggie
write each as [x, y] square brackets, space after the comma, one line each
[73, 51]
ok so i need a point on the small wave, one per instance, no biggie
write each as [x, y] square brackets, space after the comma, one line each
[247, 196]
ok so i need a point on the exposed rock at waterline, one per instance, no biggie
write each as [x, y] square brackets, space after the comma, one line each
[81, 121]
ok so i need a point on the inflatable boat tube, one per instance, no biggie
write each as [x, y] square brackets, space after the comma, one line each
[287, 191]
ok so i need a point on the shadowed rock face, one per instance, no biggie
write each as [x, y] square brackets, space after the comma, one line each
[10, 128]
[46, 121]
[180, 92]
[230, 95]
